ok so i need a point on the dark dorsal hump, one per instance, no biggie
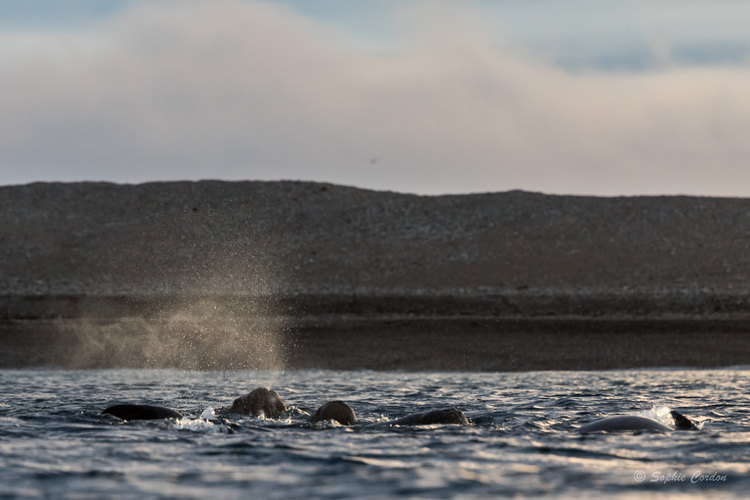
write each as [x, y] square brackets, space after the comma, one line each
[682, 422]
[141, 412]
[446, 416]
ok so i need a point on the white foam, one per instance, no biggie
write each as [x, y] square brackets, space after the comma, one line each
[326, 424]
[661, 414]
[207, 422]
[208, 414]
[195, 425]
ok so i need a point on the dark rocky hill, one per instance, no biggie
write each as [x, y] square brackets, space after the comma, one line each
[230, 238]
[343, 260]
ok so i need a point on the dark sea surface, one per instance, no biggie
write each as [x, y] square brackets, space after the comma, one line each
[55, 442]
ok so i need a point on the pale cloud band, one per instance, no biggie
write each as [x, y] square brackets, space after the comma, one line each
[246, 90]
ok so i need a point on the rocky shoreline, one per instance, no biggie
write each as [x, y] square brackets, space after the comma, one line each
[349, 278]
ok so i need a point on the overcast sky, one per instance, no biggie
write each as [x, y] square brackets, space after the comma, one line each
[430, 97]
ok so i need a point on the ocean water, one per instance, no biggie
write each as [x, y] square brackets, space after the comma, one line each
[55, 443]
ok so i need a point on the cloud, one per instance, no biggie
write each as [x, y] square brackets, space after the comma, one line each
[251, 90]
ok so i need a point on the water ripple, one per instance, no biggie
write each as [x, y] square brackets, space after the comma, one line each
[522, 439]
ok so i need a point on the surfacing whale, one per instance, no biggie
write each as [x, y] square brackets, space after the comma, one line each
[445, 416]
[259, 401]
[268, 403]
[623, 423]
[335, 410]
[681, 422]
[344, 415]
[141, 412]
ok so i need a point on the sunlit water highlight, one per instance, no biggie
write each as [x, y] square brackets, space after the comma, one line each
[55, 443]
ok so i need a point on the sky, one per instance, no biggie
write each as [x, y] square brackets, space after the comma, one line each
[421, 96]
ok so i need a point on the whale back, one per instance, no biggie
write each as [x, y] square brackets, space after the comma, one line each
[260, 401]
[624, 423]
[446, 416]
[141, 412]
[335, 410]
[682, 422]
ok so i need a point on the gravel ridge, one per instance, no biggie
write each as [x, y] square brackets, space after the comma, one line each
[213, 237]
[269, 275]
